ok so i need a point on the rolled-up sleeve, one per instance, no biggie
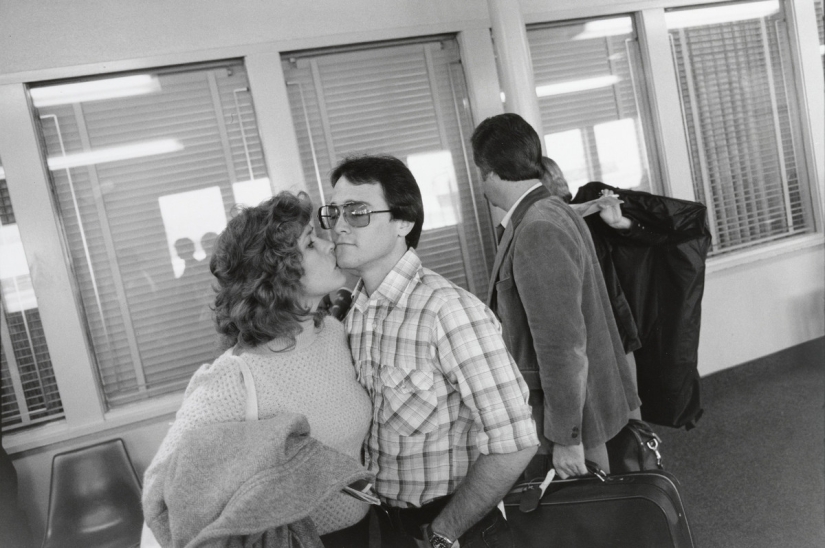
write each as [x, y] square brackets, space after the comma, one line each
[475, 359]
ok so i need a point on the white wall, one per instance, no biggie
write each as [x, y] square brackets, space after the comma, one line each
[755, 303]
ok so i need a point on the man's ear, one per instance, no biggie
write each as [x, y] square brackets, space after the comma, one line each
[403, 227]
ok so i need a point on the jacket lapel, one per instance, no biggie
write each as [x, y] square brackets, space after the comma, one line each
[507, 238]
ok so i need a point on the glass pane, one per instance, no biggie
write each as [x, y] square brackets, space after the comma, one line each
[408, 100]
[146, 170]
[592, 101]
[28, 390]
[737, 89]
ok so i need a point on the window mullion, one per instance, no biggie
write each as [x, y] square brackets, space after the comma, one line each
[700, 146]
[442, 134]
[803, 38]
[670, 134]
[42, 239]
[224, 134]
[322, 110]
[777, 131]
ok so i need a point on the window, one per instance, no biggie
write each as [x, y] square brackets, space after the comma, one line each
[28, 391]
[592, 101]
[407, 100]
[736, 79]
[146, 169]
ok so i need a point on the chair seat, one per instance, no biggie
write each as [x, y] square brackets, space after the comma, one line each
[94, 499]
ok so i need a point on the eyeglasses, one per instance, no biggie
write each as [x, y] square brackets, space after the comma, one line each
[356, 214]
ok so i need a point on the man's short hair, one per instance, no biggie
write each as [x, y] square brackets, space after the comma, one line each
[509, 147]
[398, 183]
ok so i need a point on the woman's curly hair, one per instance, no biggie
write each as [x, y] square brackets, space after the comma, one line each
[258, 267]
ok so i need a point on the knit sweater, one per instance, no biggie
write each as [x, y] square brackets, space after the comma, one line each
[317, 381]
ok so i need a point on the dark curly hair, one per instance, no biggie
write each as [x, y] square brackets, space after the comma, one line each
[257, 265]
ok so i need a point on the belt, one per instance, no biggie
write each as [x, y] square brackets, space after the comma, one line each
[410, 520]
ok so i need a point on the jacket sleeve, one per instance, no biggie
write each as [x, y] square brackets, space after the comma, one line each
[548, 269]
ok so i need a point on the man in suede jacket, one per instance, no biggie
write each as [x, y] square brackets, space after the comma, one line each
[548, 291]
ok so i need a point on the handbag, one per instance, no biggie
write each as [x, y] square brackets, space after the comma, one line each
[634, 449]
[635, 510]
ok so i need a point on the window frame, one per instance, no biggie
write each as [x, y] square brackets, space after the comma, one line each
[51, 271]
[672, 137]
[30, 189]
[85, 414]
[642, 93]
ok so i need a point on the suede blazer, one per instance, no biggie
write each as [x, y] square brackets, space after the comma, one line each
[548, 291]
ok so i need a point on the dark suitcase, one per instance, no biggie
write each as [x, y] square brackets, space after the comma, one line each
[634, 510]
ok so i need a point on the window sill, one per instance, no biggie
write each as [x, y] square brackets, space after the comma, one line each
[118, 420]
[763, 253]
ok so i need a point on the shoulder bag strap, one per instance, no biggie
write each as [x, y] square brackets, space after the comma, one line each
[251, 394]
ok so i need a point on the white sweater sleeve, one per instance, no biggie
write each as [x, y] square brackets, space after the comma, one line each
[215, 394]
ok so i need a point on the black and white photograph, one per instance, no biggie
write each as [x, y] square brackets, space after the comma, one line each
[412, 274]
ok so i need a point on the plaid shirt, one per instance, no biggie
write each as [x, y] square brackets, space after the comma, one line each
[443, 385]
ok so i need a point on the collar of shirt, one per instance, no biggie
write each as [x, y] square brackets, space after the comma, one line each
[506, 220]
[394, 284]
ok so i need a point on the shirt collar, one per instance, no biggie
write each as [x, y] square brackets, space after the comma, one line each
[506, 220]
[394, 285]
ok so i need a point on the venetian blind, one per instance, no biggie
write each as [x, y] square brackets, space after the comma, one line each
[591, 95]
[410, 101]
[736, 82]
[157, 176]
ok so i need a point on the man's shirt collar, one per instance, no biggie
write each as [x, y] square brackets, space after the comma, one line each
[394, 284]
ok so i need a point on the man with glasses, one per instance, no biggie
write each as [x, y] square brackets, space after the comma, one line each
[452, 430]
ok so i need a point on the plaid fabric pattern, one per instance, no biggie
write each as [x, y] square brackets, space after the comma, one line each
[443, 385]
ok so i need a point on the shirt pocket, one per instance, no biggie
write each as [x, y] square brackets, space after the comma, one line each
[410, 400]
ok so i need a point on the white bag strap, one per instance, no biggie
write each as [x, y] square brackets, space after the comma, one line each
[251, 394]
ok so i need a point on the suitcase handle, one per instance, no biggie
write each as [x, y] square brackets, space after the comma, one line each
[532, 495]
[594, 469]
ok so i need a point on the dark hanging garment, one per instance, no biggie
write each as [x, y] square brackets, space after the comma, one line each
[655, 275]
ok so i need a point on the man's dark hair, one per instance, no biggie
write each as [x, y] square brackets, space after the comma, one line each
[400, 187]
[509, 147]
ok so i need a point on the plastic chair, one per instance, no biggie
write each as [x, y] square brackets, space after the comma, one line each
[94, 500]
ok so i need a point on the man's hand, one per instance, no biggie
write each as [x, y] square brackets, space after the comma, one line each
[568, 460]
[489, 479]
[612, 213]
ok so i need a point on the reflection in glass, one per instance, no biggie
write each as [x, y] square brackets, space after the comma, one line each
[188, 216]
[618, 147]
[592, 101]
[569, 154]
[95, 90]
[144, 182]
[436, 178]
[114, 154]
[252, 193]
